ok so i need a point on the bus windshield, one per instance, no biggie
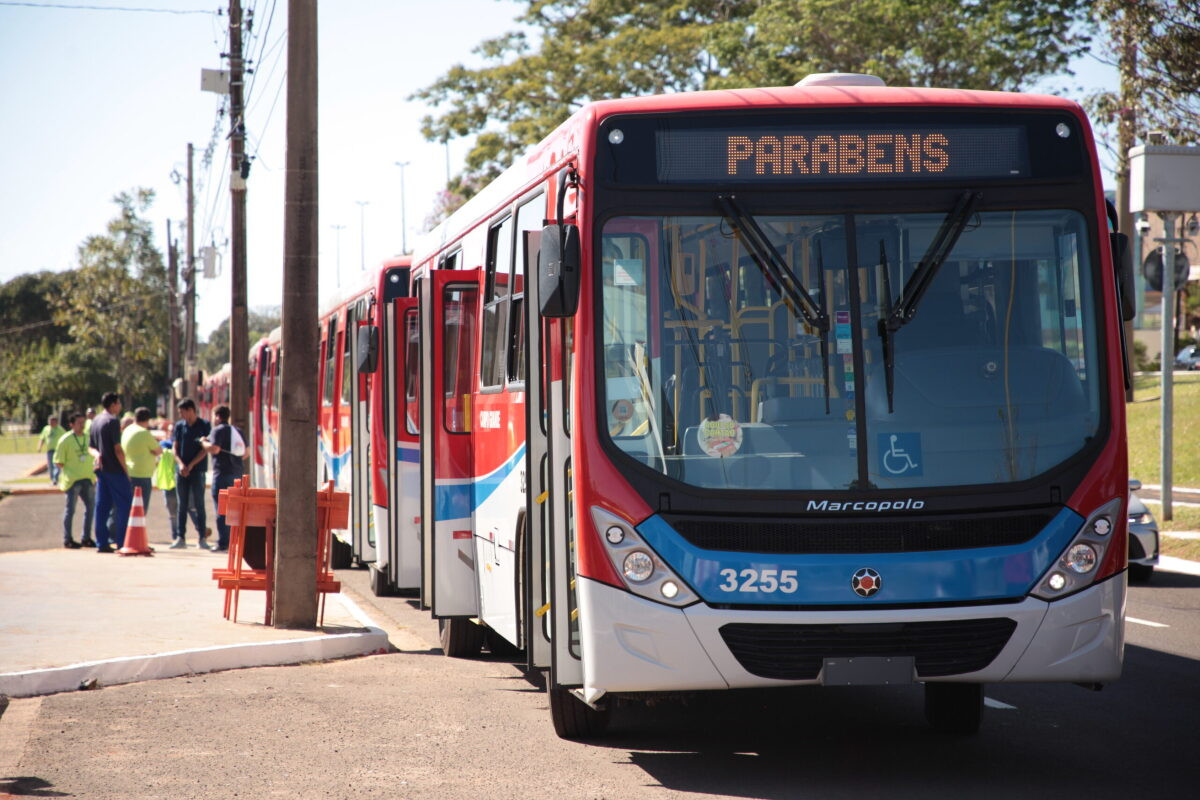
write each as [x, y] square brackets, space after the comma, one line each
[717, 376]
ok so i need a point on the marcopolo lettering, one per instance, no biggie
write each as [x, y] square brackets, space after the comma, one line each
[866, 505]
[843, 154]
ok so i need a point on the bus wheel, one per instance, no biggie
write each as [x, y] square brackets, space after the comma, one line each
[380, 585]
[460, 637]
[573, 718]
[954, 707]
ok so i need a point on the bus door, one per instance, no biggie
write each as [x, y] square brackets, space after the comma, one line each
[535, 565]
[553, 373]
[449, 336]
[362, 529]
[402, 401]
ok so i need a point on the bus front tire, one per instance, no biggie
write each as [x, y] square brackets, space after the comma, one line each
[955, 708]
[573, 718]
[460, 637]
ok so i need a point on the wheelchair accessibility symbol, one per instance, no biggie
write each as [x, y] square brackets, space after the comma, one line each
[900, 454]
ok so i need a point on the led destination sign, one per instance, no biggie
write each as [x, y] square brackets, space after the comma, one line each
[824, 154]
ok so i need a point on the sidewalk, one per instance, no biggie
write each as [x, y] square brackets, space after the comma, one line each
[70, 616]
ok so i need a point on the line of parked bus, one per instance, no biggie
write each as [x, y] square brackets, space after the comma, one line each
[808, 385]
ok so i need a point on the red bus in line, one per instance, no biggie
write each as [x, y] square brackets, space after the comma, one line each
[350, 402]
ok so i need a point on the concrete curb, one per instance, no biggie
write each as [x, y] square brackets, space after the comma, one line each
[200, 660]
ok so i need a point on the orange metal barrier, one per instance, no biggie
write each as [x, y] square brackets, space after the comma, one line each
[250, 510]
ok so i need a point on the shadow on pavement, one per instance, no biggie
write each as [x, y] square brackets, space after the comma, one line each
[28, 787]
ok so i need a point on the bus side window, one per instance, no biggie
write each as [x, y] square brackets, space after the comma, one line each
[330, 363]
[347, 368]
[412, 372]
[496, 303]
[529, 223]
[458, 341]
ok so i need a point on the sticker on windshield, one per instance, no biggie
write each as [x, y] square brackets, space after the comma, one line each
[628, 272]
[720, 437]
[900, 454]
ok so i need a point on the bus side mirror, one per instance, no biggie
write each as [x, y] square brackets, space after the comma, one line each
[558, 271]
[1123, 266]
[368, 349]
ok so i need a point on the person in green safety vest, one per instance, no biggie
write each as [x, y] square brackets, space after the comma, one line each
[47, 441]
[77, 479]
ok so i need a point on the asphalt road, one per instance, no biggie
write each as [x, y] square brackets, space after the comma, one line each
[414, 724]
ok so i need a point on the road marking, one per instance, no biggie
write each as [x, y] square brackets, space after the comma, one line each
[991, 703]
[1146, 622]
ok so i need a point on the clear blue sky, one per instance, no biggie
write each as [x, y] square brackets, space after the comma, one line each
[97, 102]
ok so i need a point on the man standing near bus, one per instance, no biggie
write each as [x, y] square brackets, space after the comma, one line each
[141, 454]
[47, 440]
[191, 461]
[227, 447]
[77, 478]
[114, 493]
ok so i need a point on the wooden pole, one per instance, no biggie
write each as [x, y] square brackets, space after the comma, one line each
[239, 347]
[295, 599]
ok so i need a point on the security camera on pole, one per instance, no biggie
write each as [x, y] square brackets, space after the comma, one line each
[1165, 179]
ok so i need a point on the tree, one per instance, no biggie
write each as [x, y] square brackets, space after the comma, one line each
[1156, 45]
[116, 310]
[999, 44]
[29, 337]
[215, 351]
[595, 49]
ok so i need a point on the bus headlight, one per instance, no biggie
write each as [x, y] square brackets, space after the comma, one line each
[644, 573]
[1081, 558]
[1076, 568]
[638, 566]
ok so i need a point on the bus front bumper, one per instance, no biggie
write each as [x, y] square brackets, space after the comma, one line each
[635, 645]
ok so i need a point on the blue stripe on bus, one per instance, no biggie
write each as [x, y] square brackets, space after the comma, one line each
[408, 455]
[943, 576]
[461, 500]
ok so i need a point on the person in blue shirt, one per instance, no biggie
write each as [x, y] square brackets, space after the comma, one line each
[191, 462]
[227, 448]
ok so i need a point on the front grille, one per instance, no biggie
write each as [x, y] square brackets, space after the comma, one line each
[796, 652]
[858, 535]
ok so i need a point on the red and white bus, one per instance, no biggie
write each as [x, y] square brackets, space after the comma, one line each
[806, 385]
[347, 371]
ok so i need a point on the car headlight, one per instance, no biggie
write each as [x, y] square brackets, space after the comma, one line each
[1145, 518]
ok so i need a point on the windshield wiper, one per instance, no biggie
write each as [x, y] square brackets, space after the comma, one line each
[896, 317]
[767, 256]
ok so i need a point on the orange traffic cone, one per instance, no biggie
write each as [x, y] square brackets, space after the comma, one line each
[135, 532]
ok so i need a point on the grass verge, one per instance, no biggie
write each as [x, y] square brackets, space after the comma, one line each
[15, 445]
[1180, 548]
[1145, 437]
[1186, 518]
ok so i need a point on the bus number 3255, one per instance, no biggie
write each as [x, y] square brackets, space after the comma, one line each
[754, 580]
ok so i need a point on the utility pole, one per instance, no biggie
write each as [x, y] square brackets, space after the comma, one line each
[403, 221]
[238, 335]
[1126, 128]
[1167, 408]
[362, 234]
[173, 320]
[295, 597]
[189, 357]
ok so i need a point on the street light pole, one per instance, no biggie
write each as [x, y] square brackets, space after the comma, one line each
[338, 233]
[362, 234]
[403, 220]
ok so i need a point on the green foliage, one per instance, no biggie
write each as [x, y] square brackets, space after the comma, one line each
[1156, 44]
[215, 352]
[69, 337]
[597, 49]
[1144, 423]
[1001, 44]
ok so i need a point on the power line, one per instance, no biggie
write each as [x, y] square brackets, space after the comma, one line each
[73, 7]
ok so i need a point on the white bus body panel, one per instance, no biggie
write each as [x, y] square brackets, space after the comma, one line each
[495, 548]
[636, 645]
